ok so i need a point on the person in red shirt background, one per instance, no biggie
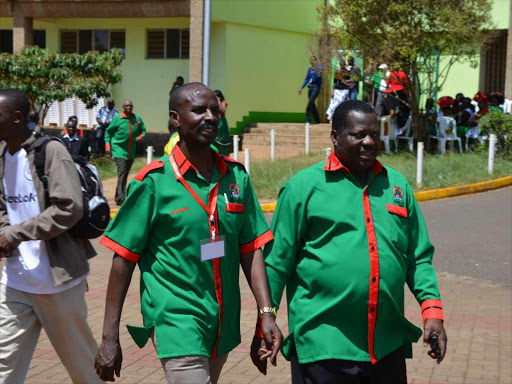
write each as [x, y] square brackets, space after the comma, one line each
[396, 91]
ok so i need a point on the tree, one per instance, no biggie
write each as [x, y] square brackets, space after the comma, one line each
[424, 38]
[47, 76]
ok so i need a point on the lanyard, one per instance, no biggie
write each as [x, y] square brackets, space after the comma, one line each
[211, 208]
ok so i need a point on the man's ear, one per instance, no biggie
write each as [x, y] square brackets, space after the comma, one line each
[175, 118]
[17, 116]
[334, 138]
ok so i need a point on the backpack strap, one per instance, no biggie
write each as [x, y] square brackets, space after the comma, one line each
[39, 147]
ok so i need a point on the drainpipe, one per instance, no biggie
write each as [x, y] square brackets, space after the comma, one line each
[206, 42]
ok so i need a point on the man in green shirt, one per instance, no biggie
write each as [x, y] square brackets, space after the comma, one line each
[122, 134]
[189, 221]
[348, 235]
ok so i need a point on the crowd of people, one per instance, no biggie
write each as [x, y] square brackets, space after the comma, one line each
[347, 235]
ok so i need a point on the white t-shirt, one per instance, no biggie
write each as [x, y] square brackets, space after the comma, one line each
[28, 269]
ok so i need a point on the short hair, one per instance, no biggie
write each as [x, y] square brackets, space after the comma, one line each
[180, 77]
[219, 94]
[18, 100]
[73, 117]
[176, 98]
[33, 116]
[340, 116]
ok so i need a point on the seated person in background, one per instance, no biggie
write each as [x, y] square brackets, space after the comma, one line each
[77, 145]
[458, 103]
[430, 116]
[173, 140]
[446, 107]
[495, 100]
[466, 117]
[483, 109]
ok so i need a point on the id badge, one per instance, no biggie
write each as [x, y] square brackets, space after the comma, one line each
[212, 249]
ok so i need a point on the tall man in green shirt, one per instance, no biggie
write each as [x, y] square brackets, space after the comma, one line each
[348, 235]
[122, 134]
[189, 221]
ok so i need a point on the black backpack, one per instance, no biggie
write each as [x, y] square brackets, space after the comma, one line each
[96, 210]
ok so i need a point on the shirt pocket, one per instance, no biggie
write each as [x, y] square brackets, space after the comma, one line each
[235, 208]
[397, 210]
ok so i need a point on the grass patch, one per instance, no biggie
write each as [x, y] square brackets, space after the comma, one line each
[438, 171]
[107, 168]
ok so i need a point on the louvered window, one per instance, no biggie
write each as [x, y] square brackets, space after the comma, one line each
[85, 40]
[168, 44]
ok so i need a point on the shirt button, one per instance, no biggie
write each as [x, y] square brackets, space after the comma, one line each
[218, 287]
[373, 248]
[374, 279]
[368, 219]
[372, 309]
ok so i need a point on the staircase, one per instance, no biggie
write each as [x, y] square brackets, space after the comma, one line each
[290, 139]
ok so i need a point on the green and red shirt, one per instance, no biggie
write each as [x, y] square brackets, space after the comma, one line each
[344, 252]
[192, 305]
[121, 134]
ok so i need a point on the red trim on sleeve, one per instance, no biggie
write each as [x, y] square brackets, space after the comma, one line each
[373, 251]
[235, 208]
[145, 170]
[432, 309]
[119, 249]
[400, 211]
[108, 147]
[258, 333]
[257, 243]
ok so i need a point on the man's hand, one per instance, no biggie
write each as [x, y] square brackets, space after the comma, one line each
[109, 359]
[262, 349]
[139, 138]
[300, 91]
[6, 249]
[435, 326]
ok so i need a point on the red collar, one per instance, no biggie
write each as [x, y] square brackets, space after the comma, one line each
[184, 165]
[332, 163]
[123, 115]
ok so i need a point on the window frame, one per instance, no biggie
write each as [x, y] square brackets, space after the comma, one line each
[77, 34]
[180, 43]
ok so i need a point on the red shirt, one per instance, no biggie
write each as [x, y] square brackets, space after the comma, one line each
[396, 81]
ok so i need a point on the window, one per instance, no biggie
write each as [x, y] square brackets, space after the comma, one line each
[6, 37]
[495, 63]
[85, 40]
[168, 44]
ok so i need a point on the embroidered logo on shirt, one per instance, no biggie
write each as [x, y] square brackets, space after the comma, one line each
[234, 189]
[21, 198]
[27, 173]
[179, 210]
[399, 195]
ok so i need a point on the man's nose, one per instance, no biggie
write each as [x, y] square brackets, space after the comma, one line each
[369, 141]
[210, 116]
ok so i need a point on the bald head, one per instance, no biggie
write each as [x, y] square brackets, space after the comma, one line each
[183, 93]
[128, 107]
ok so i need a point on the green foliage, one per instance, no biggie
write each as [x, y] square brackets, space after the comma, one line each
[410, 35]
[47, 76]
[500, 124]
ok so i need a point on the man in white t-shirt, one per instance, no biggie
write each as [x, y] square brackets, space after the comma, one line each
[43, 281]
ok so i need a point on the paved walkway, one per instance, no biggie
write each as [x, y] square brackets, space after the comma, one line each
[478, 312]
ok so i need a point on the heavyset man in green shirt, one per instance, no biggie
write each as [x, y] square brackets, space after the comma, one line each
[348, 235]
[122, 134]
[189, 221]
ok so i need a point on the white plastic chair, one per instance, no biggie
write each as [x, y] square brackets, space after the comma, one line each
[406, 131]
[507, 106]
[446, 131]
[387, 131]
[474, 133]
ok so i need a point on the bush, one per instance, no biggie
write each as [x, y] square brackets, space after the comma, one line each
[500, 124]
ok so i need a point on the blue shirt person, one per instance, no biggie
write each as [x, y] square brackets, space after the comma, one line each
[104, 117]
[314, 82]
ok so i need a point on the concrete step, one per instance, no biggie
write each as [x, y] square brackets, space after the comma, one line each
[288, 128]
[299, 126]
[262, 152]
[288, 131]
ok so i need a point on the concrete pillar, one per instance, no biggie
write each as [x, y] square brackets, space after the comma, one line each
[196, 40]
[508, 65]
[23, 29]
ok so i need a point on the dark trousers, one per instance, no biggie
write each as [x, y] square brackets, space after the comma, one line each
[99, 142]
[390, 369]
[313, 91]
[123, 168]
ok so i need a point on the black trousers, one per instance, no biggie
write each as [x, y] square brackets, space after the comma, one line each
[123, 168]
[391, 369]
[99, 142]
[313, 92]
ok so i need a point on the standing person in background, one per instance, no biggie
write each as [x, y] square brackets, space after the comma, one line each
[76, 145]
[121, 135]
[314, 82]
[178, 83]
[353, 81]
[173, 140]
[340, 90]
[73, 120]
[223, 139]
[104, 117]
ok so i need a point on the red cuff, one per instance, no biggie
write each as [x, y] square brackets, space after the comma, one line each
[258, 333]
[119, 249]
[257, 243]
[108, 147]
[432, 309]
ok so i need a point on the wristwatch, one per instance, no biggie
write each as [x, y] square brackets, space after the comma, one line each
[271, 310]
